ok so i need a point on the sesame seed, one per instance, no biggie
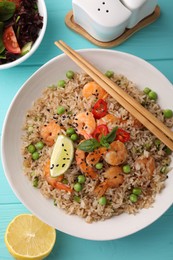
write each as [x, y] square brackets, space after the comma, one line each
[52, 166]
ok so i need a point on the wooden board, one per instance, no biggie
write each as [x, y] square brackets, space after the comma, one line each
[69, 20]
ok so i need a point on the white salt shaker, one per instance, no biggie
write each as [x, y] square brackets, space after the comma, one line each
[105, 20]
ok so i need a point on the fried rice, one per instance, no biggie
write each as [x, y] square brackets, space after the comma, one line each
[142, 143]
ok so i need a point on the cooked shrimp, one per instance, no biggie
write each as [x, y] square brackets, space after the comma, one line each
[145, 164]
[100, 190]
[114, 178]
[49, 179]
[55, 182]
[110, 120]
[49, 132]
[86, 169]
[94, 157]
[85, 124]
[92, 88]
[116, 154]
[113, 172]
[135, 123]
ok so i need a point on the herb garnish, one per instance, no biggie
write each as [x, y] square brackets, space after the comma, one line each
[91, 144]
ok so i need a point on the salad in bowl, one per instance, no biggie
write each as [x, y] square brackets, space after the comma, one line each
[22, 26]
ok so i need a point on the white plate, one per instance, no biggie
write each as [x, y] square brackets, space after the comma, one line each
[136, 70]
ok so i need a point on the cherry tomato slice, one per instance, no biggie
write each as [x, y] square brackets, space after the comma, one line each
[100, 109]
[10, 41]
[99, 131]
[122, 135]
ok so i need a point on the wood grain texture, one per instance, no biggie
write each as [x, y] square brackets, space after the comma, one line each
[154, 44]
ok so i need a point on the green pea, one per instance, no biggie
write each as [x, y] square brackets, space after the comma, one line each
[74, 137]
[133, 198]
[35, 156]
[147, 146]
[31, 148]
[81, 179]
[102, 201]
[109, 73]
[39, 145]
[61, 83]
[70, 131]
[167, 113]
[126, 168]
[164, 169]
[152, 95]
[157, 143]
[70, 74]
[167, 150]
[137, 191]
[146, 90]
[76, 198]
[54, 202]
[60, 110]
[77, 187]
[35, 182]
[99, 166]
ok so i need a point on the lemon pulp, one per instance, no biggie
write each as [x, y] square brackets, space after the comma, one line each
[27, 237]
[62, 156]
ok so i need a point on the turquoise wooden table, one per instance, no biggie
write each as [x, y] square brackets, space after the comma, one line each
[154, 44]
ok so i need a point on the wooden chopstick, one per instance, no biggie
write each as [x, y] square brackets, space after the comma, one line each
[130, 104]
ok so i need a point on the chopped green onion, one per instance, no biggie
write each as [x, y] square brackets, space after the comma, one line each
[76, 198]
[35, 182]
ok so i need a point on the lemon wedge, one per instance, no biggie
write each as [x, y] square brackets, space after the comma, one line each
[62, 156]
[27, 237]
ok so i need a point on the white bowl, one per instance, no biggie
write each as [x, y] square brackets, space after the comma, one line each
[136, 70]
[43, 13]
